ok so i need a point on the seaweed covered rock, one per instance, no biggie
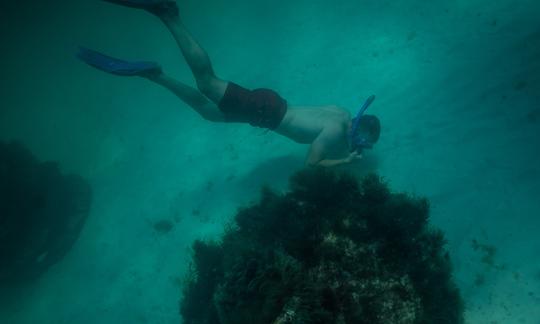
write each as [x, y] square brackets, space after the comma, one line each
[330, 250]
[41, 213]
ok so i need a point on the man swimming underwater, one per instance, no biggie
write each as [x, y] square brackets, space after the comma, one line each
[335, 138]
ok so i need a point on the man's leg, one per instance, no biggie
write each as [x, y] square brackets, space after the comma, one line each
[153, 72]
[193, 97]
[196, 57]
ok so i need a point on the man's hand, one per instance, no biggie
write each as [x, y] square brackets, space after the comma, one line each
[354, 156]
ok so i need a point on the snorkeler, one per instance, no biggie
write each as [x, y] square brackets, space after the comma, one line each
[335, 138]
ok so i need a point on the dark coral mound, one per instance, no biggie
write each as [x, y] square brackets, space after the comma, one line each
[41, 213]
[329, 251]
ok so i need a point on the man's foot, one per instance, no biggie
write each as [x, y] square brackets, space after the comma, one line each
[119, 67]
[160, 8]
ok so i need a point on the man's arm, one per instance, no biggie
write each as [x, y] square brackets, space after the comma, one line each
[331, 163]
[319, 147]
[335, 162]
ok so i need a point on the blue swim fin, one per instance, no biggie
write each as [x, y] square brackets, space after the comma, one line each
[116, 66]
[157, 7]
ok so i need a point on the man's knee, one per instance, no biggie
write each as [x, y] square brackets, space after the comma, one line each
[210, 112]
[212, 88]
[204, 86]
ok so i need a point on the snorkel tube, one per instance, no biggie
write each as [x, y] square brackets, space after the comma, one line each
[359, 142]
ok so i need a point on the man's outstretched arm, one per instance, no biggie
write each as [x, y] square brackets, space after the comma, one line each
[318, 149]
[335, 162]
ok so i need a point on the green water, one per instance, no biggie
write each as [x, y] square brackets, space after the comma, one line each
[458, 95]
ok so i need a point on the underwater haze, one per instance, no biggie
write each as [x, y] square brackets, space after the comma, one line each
[458, 95]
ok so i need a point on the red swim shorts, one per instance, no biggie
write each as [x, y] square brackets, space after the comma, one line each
[259, 107]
